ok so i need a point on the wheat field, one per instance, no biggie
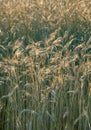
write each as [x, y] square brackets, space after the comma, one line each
[45, 65]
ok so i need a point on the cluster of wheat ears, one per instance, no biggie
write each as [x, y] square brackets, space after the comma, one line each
[45, 65]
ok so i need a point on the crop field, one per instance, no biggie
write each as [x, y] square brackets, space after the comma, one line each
[45, 65]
